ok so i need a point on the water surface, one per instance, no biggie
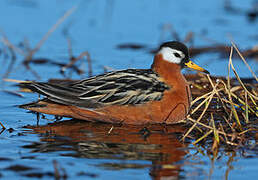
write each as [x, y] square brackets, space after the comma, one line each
[88, 151]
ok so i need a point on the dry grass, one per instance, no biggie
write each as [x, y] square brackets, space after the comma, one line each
[227, 113]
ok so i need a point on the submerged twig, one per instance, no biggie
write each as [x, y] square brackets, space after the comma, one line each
[74, 59]
[3, 127]
[57, 173]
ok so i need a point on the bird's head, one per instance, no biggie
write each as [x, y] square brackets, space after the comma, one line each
[177, 53]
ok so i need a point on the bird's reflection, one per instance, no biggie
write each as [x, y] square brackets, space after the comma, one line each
[158, 144]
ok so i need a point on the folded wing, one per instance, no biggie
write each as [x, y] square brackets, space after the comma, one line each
[126, 87]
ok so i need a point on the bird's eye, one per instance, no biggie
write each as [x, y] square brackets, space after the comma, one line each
[177, 55]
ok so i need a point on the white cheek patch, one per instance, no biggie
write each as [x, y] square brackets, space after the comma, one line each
[169, 55]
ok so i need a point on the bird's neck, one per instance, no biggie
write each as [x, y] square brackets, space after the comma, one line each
[169, 72]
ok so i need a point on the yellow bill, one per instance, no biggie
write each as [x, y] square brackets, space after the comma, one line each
[191, 65]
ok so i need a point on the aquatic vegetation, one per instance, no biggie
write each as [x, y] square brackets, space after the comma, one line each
[227, 113]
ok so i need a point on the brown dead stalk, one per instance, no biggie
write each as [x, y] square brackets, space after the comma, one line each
[3, 127]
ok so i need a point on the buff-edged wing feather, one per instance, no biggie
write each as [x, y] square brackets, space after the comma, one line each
[126, 87]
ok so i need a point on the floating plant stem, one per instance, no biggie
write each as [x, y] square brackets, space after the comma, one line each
[3, 127]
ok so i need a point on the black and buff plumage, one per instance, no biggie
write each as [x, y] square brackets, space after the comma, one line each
[126, 87]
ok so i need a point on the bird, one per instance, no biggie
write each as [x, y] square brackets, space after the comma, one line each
[159, 95]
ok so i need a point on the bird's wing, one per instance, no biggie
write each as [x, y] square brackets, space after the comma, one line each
[126, 87]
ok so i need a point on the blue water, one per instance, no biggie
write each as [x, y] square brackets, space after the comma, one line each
[99, 27]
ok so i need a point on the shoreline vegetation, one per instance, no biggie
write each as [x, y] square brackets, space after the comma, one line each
[227, 114]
